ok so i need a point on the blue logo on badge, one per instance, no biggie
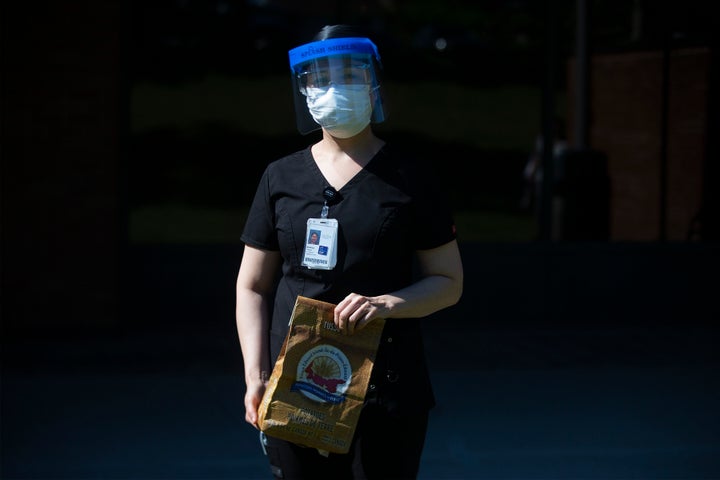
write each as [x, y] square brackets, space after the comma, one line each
[322, 250]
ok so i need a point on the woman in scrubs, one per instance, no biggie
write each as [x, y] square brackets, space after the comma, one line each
[387, 250]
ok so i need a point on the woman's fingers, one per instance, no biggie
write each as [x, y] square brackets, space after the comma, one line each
[353, 313]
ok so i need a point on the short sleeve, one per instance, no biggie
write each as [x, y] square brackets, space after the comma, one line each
[259, 228]
[433, 224]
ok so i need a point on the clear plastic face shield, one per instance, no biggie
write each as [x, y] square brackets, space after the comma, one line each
[336, 85]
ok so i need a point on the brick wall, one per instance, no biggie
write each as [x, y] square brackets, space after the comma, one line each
[626, 114]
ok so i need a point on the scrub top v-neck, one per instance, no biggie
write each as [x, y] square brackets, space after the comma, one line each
[355, 178]
[385, 212]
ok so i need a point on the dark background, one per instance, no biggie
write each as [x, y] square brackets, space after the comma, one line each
[133, 134]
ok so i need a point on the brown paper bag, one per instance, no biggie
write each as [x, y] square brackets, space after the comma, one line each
[318, 384]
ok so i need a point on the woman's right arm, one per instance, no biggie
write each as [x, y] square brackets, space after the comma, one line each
[254, 289]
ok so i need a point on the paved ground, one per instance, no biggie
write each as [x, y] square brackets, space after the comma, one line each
[516, 399]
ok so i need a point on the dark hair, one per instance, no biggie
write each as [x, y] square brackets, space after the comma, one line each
[339, 31]
[344, 31]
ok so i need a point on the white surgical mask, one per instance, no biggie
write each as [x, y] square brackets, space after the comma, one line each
[342, 110]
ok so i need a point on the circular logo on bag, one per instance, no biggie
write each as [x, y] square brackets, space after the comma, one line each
[323, 374]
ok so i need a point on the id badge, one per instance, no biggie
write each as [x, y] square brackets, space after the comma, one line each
[321, 243]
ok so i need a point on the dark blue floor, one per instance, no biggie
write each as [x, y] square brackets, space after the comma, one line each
[529, 386]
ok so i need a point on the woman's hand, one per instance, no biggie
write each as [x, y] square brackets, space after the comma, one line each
[253, 396]
[355, 311]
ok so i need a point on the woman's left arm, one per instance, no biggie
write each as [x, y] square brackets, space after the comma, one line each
[440, 286]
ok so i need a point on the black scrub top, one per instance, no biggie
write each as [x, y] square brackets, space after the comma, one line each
[386, 212]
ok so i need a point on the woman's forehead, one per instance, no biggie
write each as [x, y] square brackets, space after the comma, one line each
[355, 60]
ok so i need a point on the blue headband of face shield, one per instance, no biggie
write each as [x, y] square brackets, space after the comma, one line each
[332, 46]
